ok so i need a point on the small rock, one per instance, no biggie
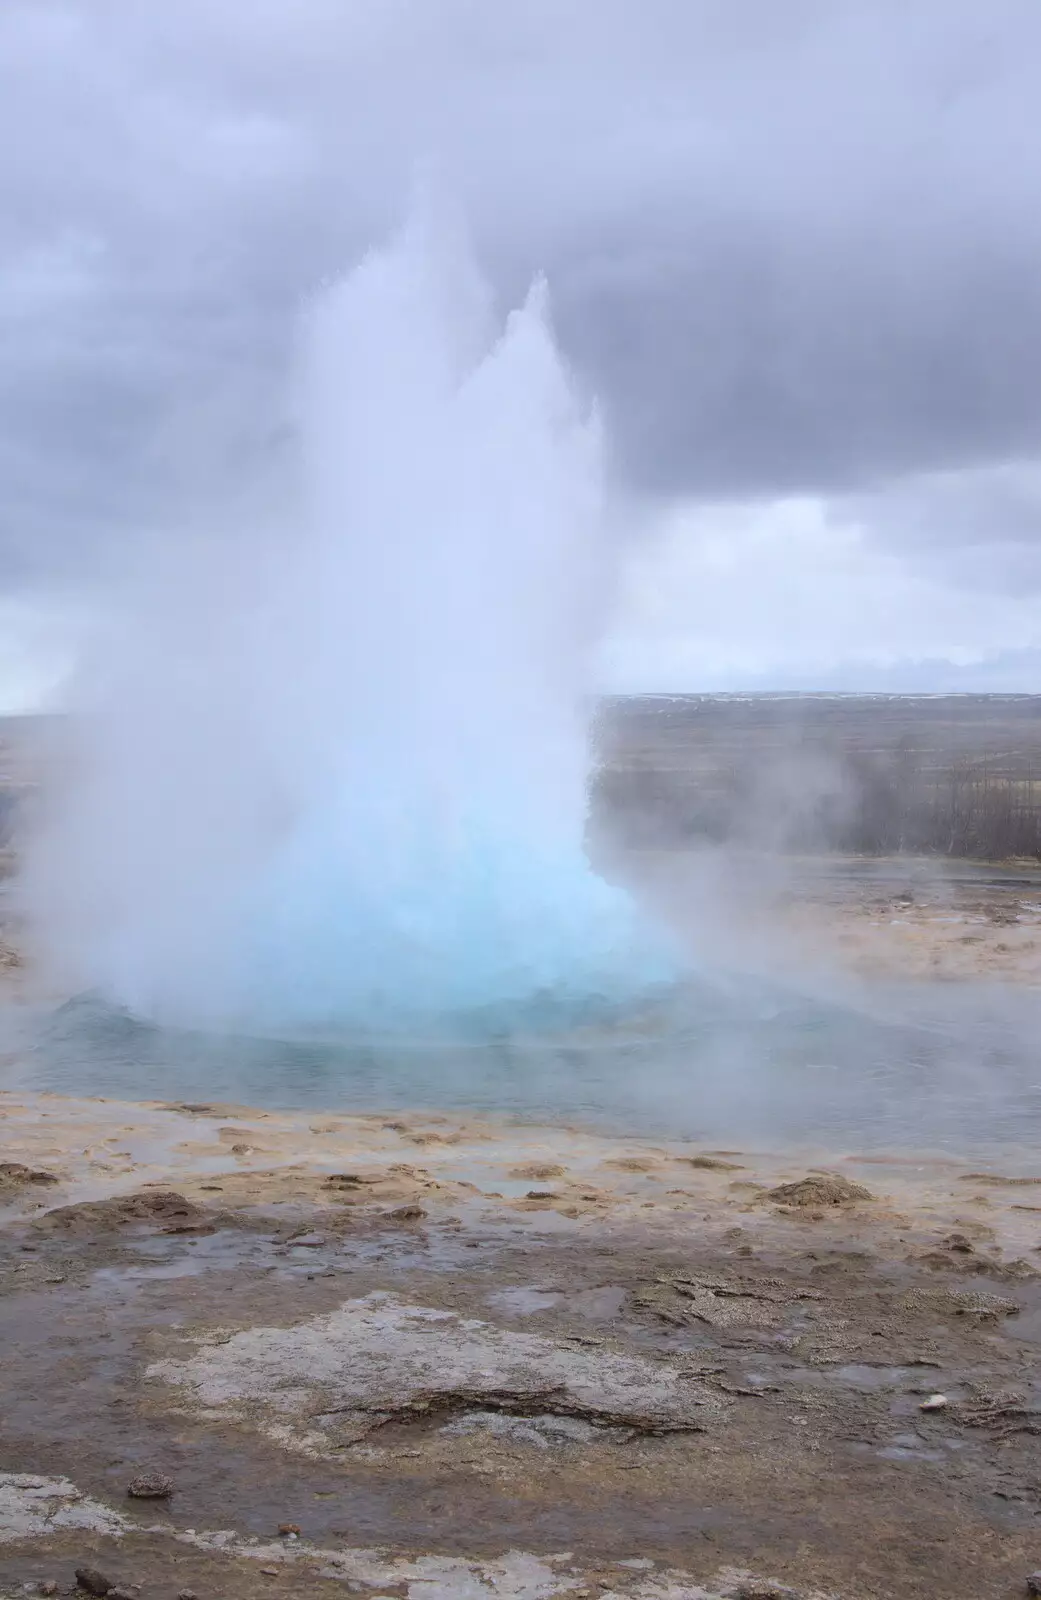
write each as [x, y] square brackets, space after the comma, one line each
[269, 1572]
[819, 1189]
[150, 1486]
[309, 1241]
[47, 1586]
[287, 1528]
[187, 1594]
[92, 1580]
[935, 1402]
[125, 1592]
[407, 1214]
[1034, 1583]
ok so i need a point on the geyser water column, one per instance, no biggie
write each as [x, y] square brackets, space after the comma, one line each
[353, 794]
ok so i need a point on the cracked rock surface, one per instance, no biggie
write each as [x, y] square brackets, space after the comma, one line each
[338, 1377]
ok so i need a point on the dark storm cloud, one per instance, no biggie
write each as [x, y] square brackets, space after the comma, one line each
[793, 245]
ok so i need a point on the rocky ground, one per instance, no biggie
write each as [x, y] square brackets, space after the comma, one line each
[424, 1357]
[920, 921]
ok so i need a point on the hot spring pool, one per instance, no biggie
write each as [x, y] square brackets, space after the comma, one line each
[933, 1067]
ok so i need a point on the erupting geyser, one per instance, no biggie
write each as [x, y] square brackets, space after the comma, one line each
[344, 784]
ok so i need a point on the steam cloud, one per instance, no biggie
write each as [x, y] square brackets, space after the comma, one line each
[334, 773]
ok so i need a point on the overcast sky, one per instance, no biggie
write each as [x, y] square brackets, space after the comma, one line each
[793, 245]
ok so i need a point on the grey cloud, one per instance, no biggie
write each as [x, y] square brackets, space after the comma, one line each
[792, 245]
[964, 508]
[974, 527]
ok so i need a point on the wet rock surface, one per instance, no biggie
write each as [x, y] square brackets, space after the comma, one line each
[692, 1393]
[380, 1360]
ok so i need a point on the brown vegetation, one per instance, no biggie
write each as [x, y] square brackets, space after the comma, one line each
[956, 777]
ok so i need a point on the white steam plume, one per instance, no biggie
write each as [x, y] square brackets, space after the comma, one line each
[338, 777]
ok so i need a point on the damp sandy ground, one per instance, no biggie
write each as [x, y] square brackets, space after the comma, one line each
[906, 918]
[432, 1356]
